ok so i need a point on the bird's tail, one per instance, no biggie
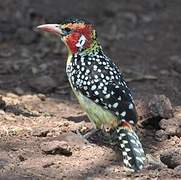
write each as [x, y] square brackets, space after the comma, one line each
[132, 151]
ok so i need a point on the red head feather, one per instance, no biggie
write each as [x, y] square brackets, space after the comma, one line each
[79, 29]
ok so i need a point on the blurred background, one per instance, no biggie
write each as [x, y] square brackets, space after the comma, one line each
[142, 37]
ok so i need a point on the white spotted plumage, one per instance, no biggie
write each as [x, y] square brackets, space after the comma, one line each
[133, 155]
[97, 78]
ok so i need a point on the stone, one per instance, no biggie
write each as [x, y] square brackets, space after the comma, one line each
[177, 170]
[48, 164]
[2, 103]
[161, 135]
[41, 96]
[152, 163]
[75, 139]
[22, 157]
[56, 147]
[171, 157]
[40, 132]
[172, 127]
[19, 91]
[160, 106]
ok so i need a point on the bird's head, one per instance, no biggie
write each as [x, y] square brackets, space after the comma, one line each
[77, 35]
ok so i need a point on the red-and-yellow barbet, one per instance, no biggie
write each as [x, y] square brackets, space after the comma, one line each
[99, 87]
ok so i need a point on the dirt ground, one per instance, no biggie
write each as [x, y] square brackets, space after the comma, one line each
[40, 117]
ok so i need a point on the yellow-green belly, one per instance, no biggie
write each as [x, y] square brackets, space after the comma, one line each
[99, 116]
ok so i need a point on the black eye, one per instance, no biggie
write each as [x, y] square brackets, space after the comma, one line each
[68, 30]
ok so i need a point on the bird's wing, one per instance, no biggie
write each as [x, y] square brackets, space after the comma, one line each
[104, 84]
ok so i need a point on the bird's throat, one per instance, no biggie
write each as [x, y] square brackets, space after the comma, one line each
[89, 47]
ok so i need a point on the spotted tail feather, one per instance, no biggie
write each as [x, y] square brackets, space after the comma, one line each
[132, 151]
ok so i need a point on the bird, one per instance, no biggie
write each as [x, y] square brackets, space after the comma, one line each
[100, 87]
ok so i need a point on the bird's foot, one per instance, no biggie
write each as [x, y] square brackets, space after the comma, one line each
[87, 135]
[90, 133]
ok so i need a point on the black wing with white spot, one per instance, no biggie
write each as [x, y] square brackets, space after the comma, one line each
[99, 79]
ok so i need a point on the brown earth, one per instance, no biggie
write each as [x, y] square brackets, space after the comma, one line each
[39, 116]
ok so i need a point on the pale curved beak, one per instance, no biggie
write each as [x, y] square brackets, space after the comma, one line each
[52, 28]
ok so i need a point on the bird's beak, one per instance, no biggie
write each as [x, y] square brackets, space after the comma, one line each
[52, 28]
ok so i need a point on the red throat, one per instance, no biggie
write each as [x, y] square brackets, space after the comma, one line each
[74, 37]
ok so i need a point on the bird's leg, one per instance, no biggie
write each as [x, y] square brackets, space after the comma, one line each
[86, 136]
[90, 133]
[108, 136]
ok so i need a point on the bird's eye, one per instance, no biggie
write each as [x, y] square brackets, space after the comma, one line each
[67, 30]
